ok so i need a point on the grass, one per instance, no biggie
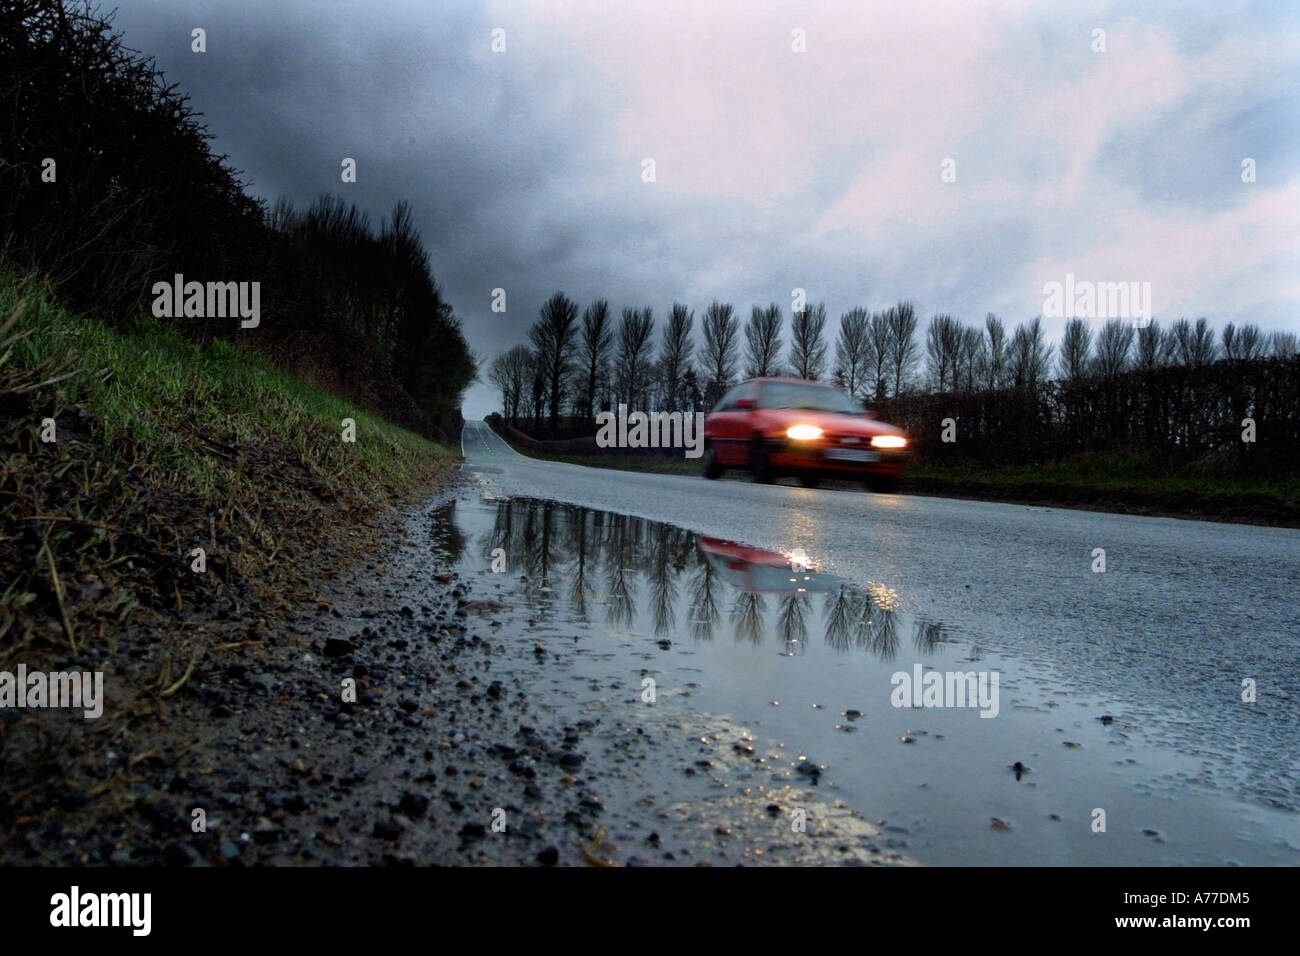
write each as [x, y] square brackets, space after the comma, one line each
[165, 445]
[159, 386]
[1121, 474]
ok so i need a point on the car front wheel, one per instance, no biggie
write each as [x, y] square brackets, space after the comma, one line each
[710, 466]
[882, 484]
[760, 464]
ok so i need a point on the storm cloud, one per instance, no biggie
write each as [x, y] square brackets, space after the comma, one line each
[776, 168]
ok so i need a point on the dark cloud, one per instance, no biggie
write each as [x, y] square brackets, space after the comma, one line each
[775, 171]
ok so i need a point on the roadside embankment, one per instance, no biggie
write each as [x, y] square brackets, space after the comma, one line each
[163, 502]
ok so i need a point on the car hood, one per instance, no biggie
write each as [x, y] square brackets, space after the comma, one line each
[833, 423]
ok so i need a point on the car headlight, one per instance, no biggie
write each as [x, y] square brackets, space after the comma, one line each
[803, 432]
[888, 441]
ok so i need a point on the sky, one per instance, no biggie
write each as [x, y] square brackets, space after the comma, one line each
[957, 154]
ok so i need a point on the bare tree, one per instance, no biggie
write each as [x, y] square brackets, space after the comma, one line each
[1251, 342]
[721, 332]
[552, 336]
[1030, 355]
[537, 389]
[763, 341]
[851, 351]
[995, 370]
[1243, 344]
[1205, 350]
[942, 350]
[632, 364]
[878, 348]
[1075, 352]
[675, 353]
[1283, 345]
[692, 394]
[1114, 344]
[594, 349]
[511, 372]
[903, 350]
[1192, 345]
[1154, 348]
[808, 342]
[974, 356]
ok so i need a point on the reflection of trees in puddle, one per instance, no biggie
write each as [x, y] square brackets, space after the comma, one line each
[792, 621]
[840, 613]
[445, 534]
[539, 554]
[663, 581]
[704, 601]
[877, 629]
[747, 613]
[577, 590]
[584, 557]
[619, 566]
[928, 636]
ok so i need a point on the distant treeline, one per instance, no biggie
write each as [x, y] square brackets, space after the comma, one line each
[108, 185]
[1174, 413]
[1015, 398]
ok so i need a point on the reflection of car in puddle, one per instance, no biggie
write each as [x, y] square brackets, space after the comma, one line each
[756, 571]
[853, 616]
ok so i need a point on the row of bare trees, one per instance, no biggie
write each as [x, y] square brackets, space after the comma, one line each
[585, 360]
[1238, 412]
[962, 358]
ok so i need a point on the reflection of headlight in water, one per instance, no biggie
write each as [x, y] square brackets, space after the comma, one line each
[885, 598]
[799, 560]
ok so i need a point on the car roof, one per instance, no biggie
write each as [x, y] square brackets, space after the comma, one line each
[791, 381]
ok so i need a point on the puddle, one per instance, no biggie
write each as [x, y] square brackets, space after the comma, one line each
[734, 640]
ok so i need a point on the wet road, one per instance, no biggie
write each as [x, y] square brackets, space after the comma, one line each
[1186, 772]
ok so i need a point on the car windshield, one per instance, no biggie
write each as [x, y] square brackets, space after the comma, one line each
[820, 398]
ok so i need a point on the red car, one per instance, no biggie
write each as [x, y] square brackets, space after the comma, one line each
[757, 571]
[788, 426]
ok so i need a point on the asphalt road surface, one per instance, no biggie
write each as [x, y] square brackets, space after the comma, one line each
[1164, 642]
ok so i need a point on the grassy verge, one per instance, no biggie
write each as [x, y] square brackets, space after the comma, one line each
[163, 446]
[1102, 483]
[121, 452]
[1124, 485]
[1108, 474]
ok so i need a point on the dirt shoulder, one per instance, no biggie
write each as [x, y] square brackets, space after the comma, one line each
[464, 744]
